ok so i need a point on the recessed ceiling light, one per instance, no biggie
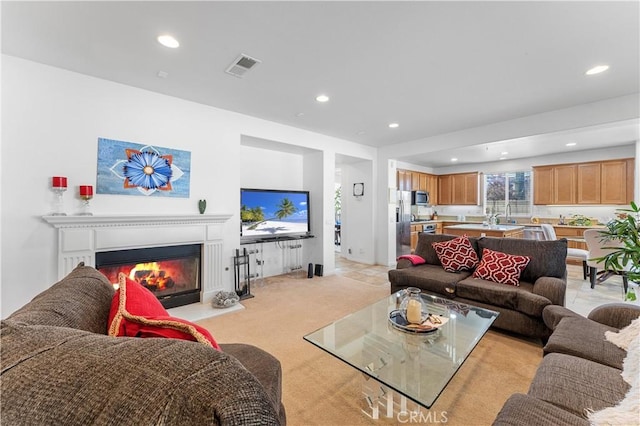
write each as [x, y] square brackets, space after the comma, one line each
[504, 153]
[571, 144]
[168, 41]
[394, 125]
[322, 98]
[502, 158]
[597, 69]
[163, 74]
[454, 160]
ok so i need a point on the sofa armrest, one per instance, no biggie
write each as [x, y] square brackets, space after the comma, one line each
[617, 315]
[552, 288]
[404, 263]
[552, 314]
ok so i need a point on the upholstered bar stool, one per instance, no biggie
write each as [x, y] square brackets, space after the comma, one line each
[597, 249]
[572, 253]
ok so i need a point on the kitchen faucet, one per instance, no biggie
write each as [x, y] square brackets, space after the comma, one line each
[507, 213]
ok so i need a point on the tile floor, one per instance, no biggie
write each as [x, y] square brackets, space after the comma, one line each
[580, 297]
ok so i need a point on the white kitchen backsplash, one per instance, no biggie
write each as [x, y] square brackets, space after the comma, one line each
[459, 210]
[421, 211]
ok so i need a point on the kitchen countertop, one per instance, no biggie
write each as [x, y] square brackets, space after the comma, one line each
[481, 227]
[523, 224]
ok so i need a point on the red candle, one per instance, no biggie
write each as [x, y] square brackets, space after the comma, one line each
[59, 182]
[86, 190]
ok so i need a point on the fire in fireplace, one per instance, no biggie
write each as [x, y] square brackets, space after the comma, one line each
[172, 273]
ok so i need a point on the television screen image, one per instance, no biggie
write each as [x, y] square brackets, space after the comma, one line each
[267, 213]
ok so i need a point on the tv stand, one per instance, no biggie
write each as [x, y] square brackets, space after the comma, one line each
[288, 248]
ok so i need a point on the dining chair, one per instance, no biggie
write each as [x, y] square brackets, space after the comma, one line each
[599, 247]
[572, 253]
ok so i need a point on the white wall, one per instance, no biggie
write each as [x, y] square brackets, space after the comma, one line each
[52, 119]
[357, 229]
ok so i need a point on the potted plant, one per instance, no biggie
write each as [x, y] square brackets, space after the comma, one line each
[625, 228]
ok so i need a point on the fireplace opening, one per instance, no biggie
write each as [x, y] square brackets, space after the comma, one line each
[172, 273]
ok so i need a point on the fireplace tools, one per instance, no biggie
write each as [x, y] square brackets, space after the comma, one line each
[242, 274]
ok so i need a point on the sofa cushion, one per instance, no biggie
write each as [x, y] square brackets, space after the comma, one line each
[425, 249]
[584, 338]
[430, 278]
[457, 254]
[576, 384]
[547, 257]
[80, 300]
[518, 298]
[136, 312]
[501, 267]
[524, 410]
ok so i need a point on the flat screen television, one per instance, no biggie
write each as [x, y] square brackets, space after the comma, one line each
[271, 214]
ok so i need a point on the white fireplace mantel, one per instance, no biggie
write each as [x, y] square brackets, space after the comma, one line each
[132, 220]
[81, 237]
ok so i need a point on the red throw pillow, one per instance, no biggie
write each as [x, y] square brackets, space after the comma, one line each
[501, 267]
[413, 258]
[457, 254]
[136, 312]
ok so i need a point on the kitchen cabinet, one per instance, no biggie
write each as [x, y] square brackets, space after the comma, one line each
[423, 182]
[596, 182]
[458, 189]
[589, 178]
[445, 184]
[404, 180]
[432, 188]
[564, 189]
[543, 185]
[617, 181]
[415, 181]
[478, 230]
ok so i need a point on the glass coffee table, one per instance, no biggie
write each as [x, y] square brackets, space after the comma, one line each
[416, 365]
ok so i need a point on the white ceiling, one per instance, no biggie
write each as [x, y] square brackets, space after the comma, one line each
[433, 67]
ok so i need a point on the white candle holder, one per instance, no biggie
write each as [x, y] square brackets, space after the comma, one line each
[58, 205]
[86, 207]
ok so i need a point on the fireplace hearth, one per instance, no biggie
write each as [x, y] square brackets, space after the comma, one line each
[172, 273]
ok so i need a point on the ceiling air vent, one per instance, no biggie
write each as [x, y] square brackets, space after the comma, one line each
[242, 65]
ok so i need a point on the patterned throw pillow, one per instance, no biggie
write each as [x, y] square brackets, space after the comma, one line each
[136, 312]
[501, 267]
[457, 254]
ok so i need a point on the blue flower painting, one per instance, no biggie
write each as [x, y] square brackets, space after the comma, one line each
[134, 169]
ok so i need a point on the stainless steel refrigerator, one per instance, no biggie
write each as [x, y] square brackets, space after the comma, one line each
[403, 223]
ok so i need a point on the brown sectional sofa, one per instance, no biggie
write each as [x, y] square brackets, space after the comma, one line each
[58, 366]
[542, 283]
[580, 372]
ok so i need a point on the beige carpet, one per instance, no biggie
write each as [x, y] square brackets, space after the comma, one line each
[319, 389]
